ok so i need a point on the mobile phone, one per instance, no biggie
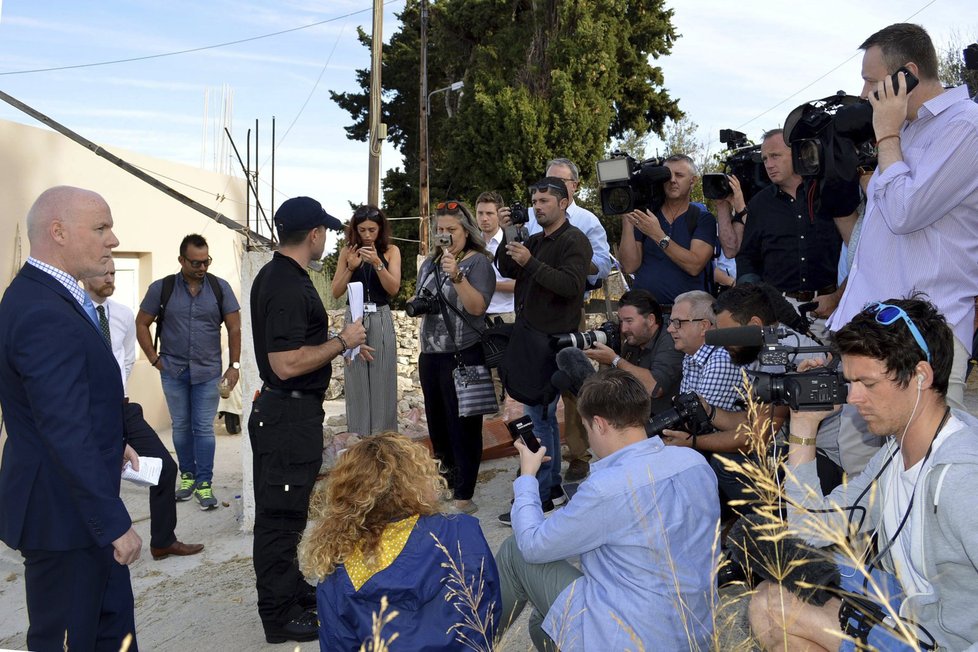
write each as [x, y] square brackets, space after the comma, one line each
[912, 81]
[522, 428]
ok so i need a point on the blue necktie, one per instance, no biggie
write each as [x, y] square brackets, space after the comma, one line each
[90, 309]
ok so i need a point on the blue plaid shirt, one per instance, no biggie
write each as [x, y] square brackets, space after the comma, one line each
[712, 374]
[63, 277]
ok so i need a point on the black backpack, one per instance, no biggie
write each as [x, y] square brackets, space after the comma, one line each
[167, 291]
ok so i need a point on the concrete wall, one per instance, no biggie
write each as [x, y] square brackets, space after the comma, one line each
[149, 224]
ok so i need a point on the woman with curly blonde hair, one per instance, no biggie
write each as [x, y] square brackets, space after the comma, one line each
[379, 532]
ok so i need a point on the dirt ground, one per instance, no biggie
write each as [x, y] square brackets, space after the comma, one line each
[207, 602]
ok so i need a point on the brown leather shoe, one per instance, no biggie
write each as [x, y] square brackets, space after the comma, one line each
[177, 548]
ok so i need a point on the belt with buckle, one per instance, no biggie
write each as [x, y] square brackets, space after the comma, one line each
[809, 295]
[285, 393]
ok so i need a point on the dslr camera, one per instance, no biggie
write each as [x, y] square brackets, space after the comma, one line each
[687, 414]
[519, 215]
[607, 333]
[744, 162]
[628, 185]
[424, 304]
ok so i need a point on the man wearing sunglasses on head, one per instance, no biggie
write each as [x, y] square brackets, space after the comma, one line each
[916, 494]
[189, 308]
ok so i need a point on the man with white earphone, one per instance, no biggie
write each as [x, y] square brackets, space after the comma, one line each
[917, 493]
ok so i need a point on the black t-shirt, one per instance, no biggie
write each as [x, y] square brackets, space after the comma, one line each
[286, 314]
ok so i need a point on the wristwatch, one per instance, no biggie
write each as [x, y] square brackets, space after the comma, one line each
[458, 277]
[235, 365]
[379, 267]
[615, 361]
[664, 242]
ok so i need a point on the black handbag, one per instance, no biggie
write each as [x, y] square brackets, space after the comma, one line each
[528, 364]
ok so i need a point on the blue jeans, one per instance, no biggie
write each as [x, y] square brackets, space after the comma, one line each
[192, 411]
[545, 429]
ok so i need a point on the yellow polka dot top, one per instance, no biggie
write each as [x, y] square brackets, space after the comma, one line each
[392, 542]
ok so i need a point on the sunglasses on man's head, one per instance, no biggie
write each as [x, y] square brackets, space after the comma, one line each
[544, 187]
[887, 314]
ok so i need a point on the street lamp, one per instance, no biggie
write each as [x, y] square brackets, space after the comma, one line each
[425, 207]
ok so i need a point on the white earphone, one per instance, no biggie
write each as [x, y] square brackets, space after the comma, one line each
[920, 379]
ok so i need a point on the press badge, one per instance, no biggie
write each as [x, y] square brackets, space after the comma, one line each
[369, 307]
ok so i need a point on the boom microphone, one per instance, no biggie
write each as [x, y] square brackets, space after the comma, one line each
[573, 368]
[737, 336]
[801, 569]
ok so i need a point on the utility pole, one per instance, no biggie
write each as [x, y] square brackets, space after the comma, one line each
[424, 200]
[378, 130]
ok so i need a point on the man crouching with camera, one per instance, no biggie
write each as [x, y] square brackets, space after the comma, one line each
[916, 494]
[644, 524]
[648, 351]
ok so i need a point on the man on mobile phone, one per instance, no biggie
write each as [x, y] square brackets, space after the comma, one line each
[922, 201]
[624, 522]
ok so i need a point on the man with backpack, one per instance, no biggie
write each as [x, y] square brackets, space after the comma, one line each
[189, 308]
[669, 249]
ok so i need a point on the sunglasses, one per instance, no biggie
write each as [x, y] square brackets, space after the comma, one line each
[544, 187]
[887, 314]
[367, 212]
[451, 206]
[197, 264]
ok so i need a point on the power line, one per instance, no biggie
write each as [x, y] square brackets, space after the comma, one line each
[191, 50]
[800, 90]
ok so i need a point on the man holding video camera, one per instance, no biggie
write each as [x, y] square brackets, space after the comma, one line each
[916, 494]
[550, 270]
[920, 230]
[643, 523]
[648, 351]
[784, 243]
[669, 250]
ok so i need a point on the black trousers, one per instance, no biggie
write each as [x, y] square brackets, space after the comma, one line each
[456, 441]
[162, 502]
[85, 593]
[287, 453]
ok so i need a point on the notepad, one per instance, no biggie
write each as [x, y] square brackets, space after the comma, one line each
[148, 474]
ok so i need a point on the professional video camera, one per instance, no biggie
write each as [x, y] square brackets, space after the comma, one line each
[805, 391]
[628, 185]
[744, 163]
[833, 138]
[607, 333]
[687, 414]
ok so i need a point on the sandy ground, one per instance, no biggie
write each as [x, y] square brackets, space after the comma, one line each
[207, 602]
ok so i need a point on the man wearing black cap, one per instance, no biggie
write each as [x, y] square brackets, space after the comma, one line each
[294, 352]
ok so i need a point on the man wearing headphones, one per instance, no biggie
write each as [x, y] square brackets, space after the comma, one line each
[917, 493]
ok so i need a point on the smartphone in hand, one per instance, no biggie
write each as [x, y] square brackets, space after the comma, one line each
[522, 428]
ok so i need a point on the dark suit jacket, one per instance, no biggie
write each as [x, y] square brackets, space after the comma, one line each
[61, 396]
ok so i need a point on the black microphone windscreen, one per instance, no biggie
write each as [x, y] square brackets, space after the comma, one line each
[573, 368]
[737, 336]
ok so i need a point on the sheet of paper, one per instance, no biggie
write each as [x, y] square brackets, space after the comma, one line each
[355, 296]
[148, 474]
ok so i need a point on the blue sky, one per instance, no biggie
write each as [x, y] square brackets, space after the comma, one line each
[735, 61]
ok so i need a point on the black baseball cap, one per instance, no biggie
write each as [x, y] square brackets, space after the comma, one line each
[302, 214]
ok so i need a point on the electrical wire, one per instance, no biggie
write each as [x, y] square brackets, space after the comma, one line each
[191, 50]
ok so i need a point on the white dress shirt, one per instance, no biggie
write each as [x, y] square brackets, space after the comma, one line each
[122, 328]
[501, 301]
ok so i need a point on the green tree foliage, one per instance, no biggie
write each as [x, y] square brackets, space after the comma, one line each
[543, 78]
[950, 64]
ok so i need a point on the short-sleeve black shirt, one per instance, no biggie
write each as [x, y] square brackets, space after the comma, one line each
[786, 245]
[286, 314]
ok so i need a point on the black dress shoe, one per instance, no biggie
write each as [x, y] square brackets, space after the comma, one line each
[301, 629]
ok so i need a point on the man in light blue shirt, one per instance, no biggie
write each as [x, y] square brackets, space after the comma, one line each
[644, 524]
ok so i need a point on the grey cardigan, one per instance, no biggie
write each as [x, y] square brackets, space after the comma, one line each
[945, 536]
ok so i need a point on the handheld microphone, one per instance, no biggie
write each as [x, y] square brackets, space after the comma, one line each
[802, 569]
[573, 368]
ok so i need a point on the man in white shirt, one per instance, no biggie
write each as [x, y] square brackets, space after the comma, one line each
[487, 208]
[118, 325]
